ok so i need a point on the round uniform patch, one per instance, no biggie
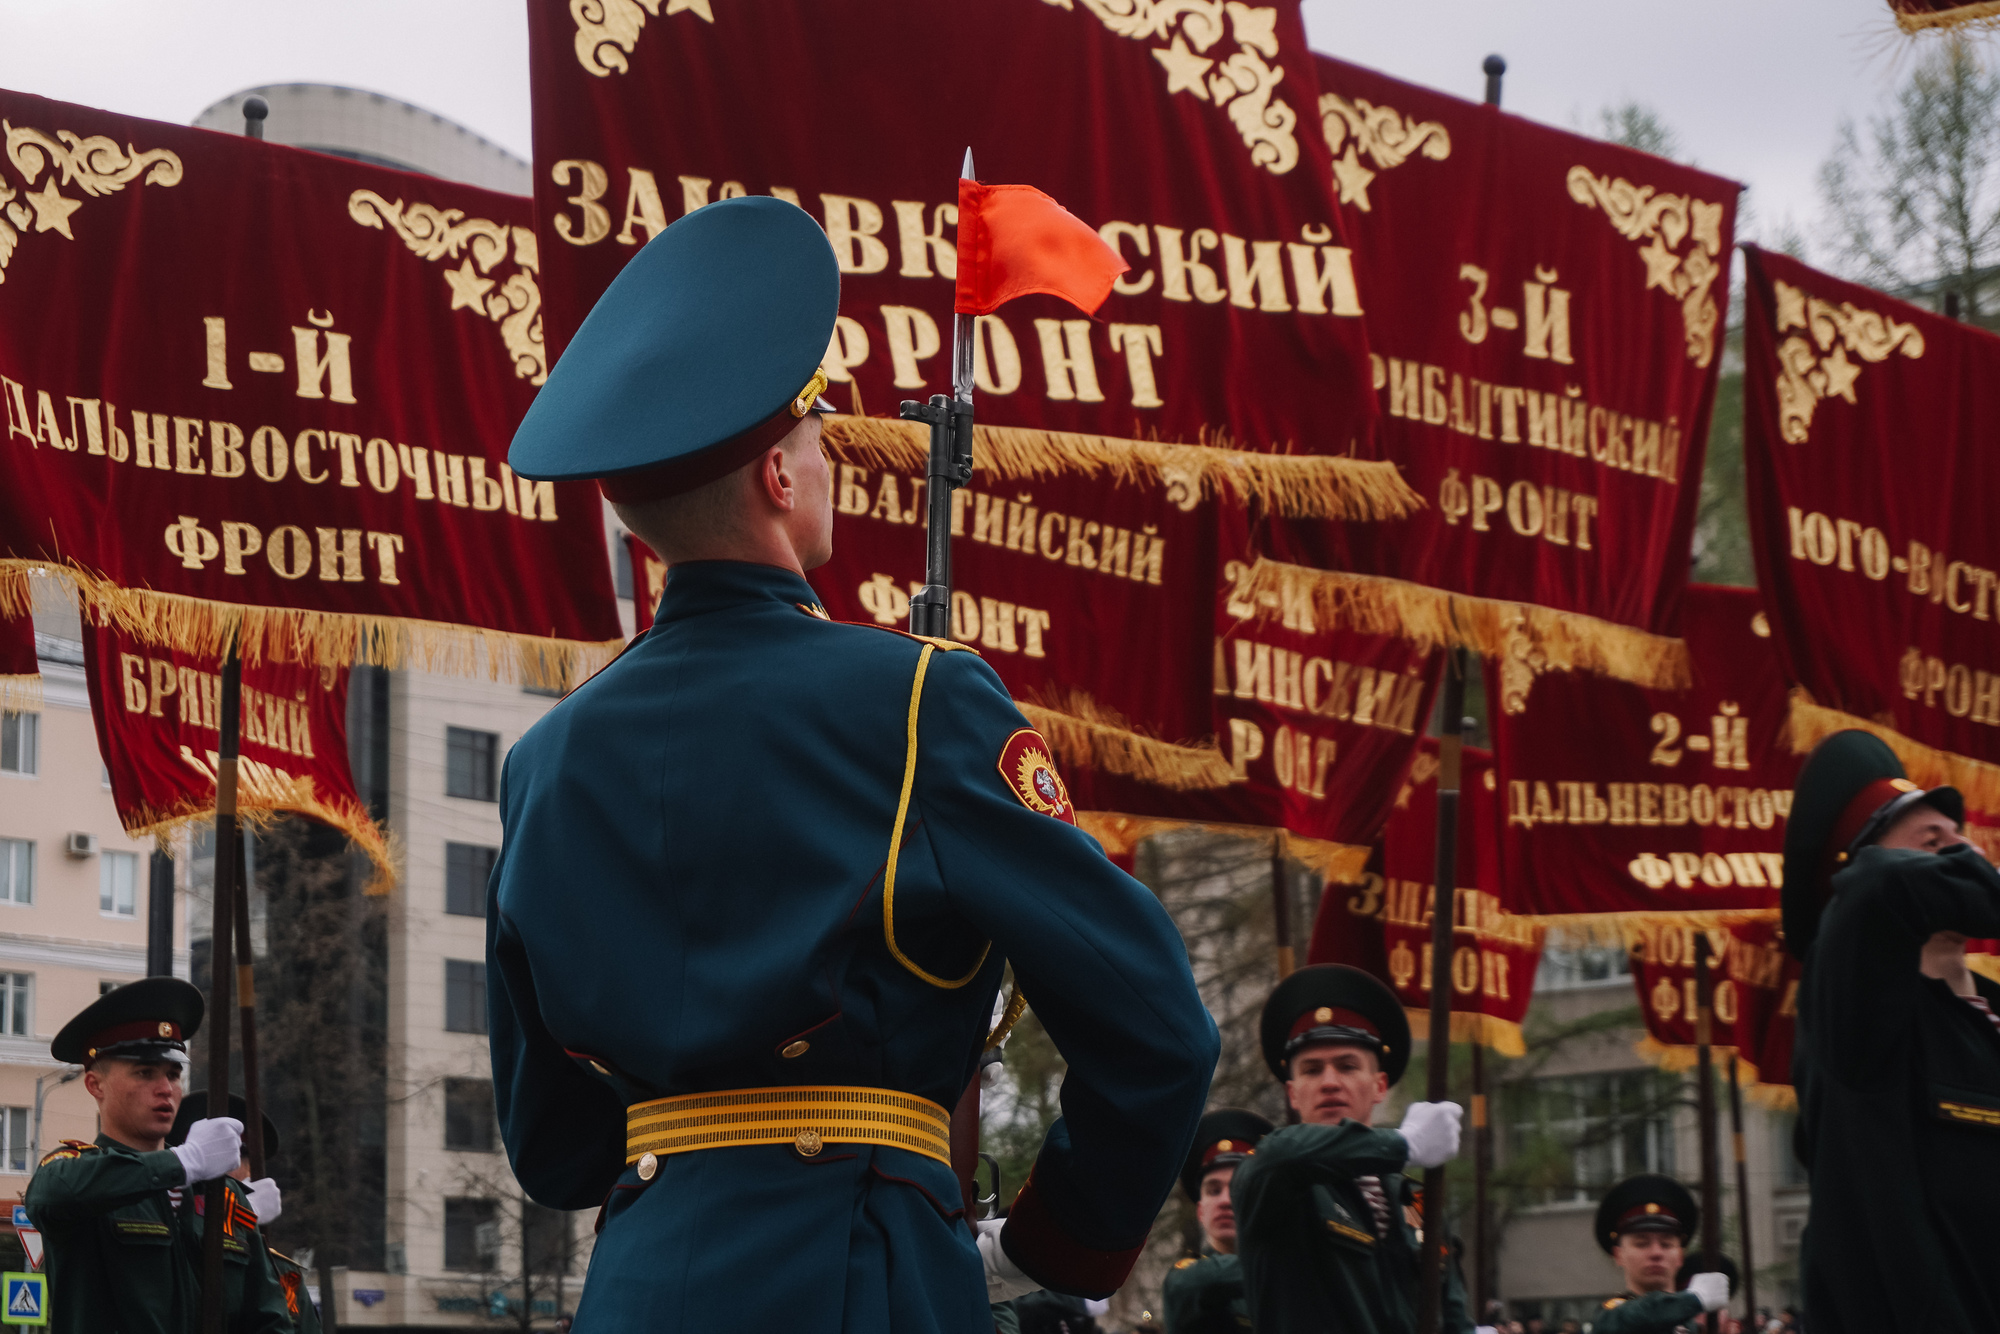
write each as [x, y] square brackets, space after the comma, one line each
[1025, 764]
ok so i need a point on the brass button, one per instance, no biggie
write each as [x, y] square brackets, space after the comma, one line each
[792, 1049]
[808, 1143]
[648, 1165]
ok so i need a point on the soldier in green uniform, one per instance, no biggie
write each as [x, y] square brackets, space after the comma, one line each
[1897, 1060]
[1643, 1224]
[119, 1217]
[1203, 1293]
[265, 1199]
[1327, 1224]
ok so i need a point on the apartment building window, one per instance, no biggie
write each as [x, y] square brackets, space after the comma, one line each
[469, 758]
[17, 870]
[17, 1004]
[117, 884]
[1577, 1135]
[1563, 968]
[20, 741]
[14, 1138]
[468, 1115]
[464, 996]
[471, 1236]
[466, 871]
[546, 1239]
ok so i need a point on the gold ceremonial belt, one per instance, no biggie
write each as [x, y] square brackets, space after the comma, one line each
[807, 1118]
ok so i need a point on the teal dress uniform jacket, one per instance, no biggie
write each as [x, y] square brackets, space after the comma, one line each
[692, 887]
[1313, 1262]
[1204, 1295]
[1899, 1103]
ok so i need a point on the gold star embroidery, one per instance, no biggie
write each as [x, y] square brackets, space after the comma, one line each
[1840, 375]
[699, 7]
[1184, 68]
[1791, 306]
[52, 210]
[468, 289]
[1354, 179]
[1660, 265]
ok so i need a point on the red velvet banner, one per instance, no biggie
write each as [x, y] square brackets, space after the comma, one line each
[1384, 924]
[1755, 990]
[1867, 445]
[248, 383]
[1627, 804]
[1545, 314]
[1186, 135]
[649, 580]
[157, 714]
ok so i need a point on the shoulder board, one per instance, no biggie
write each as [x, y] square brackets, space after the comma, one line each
[1613, 1303]
[948, 645]
[70, 1148]
[279, 1255]
[1186, 1262]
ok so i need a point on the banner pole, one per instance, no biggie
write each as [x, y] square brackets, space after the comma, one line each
[1482, 1164]
[1281, 907]
[1444, 913]
[1742, 1191]
[1495, 66]
[1711, 1169]
[246, 1010]
[221, 923]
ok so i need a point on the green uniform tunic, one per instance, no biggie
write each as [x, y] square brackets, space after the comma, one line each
[1313, 1262]
[1654, 1313]
[1205, 1295]
[1899, 1104]
[123, 1260]
[292, 1282]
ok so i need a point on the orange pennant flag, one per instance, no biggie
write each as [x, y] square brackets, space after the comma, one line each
[1013, 240]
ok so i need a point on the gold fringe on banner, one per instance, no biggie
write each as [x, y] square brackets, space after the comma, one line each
[1986, 965]
[1674, 1058]
[23, 694]
[1340, 863]
[1301, 486]
[259, 810]
[1983, 14]
[1526, 640]
[1809, 724]
[1086, 735]
[323, 639]
[1497, 1035]
[1620, 929]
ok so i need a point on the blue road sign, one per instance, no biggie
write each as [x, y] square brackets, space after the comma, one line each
[26, 1299]
[21, 1216]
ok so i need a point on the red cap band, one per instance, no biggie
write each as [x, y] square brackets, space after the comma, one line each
[1333, 1017]
[139, 1030]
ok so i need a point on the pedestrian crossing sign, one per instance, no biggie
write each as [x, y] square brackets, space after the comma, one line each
[27, 1299]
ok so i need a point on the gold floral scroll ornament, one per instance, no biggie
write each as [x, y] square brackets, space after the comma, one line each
[1664, 221]
[1388, 140]
[1187, 37]
[95, 166]
[514, 302]
[1807, 374]
[607, 30]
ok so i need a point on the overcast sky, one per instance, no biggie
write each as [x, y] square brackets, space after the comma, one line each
[1754, 88]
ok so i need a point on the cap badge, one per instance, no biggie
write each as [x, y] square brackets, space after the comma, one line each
[166, 1030]
[1323, 1015]
[1904, 785]
[1652, 1208]
[1224, 1145]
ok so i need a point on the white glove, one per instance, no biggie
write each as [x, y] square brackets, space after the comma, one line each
[1004, 1279]
[213, 1149]
[1431, 1130]
[265, 1201]
[1713, 1289]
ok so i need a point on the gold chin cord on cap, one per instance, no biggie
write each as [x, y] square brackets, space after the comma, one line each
[810, 394]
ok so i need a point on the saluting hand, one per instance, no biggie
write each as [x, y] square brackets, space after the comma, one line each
[214, 1146]
[1431, 1129]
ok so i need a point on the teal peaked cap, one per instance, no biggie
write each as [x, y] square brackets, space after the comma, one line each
[716, 325]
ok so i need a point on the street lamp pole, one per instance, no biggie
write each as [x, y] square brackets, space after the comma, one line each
[35, 1140]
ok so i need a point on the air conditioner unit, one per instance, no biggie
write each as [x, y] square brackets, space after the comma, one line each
[81, 845]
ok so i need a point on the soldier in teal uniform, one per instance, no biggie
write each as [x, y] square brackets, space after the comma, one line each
[1326, 1222]
[762, 874]
[265, 1200]
[1203, 1293]
[119, 1215]
[1644, 1224]
[1897, 1058]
